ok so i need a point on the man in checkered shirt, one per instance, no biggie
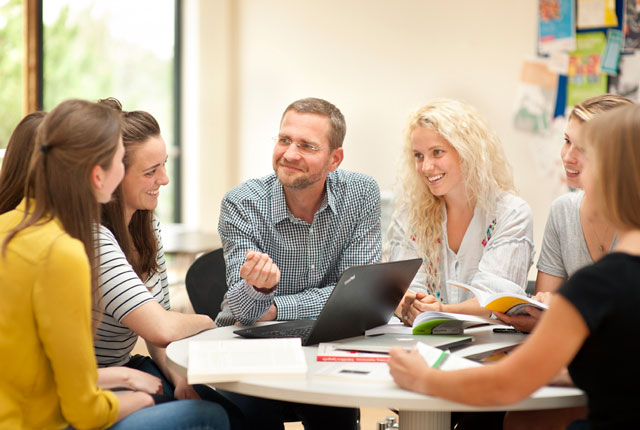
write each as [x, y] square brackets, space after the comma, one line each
[288, 236]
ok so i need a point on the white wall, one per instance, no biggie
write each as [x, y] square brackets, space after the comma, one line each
[377, 60]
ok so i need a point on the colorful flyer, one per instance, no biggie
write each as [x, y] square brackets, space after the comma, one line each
[632, 26]
[628, 79]
[556, 26]
[611, 55]
[597, 14]
[535, 97]
[586, 78]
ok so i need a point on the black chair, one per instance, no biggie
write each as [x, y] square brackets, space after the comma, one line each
[206, 283]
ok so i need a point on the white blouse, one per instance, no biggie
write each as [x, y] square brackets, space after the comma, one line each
[495, 254]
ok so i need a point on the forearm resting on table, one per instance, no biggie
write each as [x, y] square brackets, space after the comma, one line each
[161, 327]
[177, 326]
[469, 307]
[537, 361]
[484, 386]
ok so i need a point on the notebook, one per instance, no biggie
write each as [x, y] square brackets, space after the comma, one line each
[364, 297]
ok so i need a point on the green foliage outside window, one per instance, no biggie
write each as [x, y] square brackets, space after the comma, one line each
[10, 67]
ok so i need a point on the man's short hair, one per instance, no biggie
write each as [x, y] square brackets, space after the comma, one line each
[324, 108]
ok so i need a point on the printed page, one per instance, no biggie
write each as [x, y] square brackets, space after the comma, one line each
[213, 361]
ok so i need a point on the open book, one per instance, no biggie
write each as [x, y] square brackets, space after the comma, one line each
[433, 322]
[506, 303]
[379, 372]
[212, 361]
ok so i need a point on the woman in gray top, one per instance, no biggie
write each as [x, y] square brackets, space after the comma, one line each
[575, 236]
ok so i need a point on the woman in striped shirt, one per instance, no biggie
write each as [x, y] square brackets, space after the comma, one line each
[133, 276]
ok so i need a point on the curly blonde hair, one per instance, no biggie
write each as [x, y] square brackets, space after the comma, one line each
[483, 164]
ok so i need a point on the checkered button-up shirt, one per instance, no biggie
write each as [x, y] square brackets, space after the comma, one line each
[345, 232]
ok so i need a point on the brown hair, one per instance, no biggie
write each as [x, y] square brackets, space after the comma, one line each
[324, 108]
[137, 240]
[72, 139]
[613, 151]
[16, 161]
[587, 109]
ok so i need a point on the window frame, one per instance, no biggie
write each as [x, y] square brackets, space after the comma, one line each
[33, 83]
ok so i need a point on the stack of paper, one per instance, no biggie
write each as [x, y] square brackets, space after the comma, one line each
[213, 361]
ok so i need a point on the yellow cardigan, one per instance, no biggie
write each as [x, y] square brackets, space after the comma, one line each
[48, 377]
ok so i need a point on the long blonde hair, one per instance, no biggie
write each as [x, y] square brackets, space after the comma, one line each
[484, 167]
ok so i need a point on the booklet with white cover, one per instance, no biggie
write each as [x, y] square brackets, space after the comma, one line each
[212, 361]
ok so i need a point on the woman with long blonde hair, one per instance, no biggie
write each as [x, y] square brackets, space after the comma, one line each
[590, 311]
[458, 212]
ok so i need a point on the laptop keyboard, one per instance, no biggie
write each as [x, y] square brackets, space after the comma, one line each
[288, 332]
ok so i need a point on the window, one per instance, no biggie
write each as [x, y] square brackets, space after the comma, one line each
[11, 59]
[119, 48]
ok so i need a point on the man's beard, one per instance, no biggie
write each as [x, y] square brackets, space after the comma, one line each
[299, 183]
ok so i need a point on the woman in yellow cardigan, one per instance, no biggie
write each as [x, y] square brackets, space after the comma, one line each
[49, 376]
[49, 379]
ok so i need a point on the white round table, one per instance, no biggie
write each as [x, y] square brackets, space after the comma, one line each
[417, 411]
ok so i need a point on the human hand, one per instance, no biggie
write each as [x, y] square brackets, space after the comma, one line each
[408, 369]
[543, 297]
[405, 305]
[260, 271]
[142, 381]
[270, 315]
[413, 304]
[523, 323]
[184, 391]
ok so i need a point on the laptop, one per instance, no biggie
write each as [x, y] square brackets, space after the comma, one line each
[364, 297]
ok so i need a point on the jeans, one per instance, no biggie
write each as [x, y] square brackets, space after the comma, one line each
[267, 414]
[147, 365]
[181, 414]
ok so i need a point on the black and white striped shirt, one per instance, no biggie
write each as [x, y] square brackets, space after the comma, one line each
[121, 292]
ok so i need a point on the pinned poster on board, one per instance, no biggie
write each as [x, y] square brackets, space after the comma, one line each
[556, 26]
[586, 79]
[628, 80]
[631, 26]
[597, 14]
[611, 55]
[535, 97]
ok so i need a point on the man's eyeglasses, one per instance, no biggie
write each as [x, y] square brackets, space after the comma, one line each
[303, 147]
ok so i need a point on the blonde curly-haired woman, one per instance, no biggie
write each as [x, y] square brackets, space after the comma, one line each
[458, 212]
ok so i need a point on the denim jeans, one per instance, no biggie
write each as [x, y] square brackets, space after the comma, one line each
[147, 365]
[181, 414]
